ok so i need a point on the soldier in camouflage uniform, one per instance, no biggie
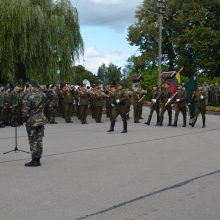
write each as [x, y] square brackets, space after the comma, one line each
[166, 95]
[15, 100]
[7, 106]
[120, 108]
[180, 105]
[33, 104]
[1, 106]
[155, 105]
[199, 97]
[52, 104]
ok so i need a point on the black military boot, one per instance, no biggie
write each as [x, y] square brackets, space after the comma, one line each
[193, 121]
[203, 122]
[35, 162]
[160, 121]
[175, 122]
[125, 124]
[184, 121]
[148, 120]
[170, 121]
[112, 126]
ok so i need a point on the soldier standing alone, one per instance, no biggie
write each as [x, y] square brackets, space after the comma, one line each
[33, 115]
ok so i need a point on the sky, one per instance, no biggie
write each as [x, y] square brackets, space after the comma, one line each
[104, 27]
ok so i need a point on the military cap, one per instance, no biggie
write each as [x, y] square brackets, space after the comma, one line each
[7, 87]
[34, 83]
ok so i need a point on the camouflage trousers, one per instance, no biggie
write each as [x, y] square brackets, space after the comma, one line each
[35, 138]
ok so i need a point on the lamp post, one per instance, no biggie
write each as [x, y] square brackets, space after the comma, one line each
[161, 6]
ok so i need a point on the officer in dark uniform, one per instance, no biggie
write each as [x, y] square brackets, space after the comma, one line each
[109, 98]
[120, 108]
[155, 105]
[199, 98]
[136, 103]
[180, 105]
[166, 95]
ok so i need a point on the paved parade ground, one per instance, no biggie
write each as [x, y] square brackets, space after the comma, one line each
[150, 173]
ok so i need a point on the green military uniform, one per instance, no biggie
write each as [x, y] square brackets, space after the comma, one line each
[83, 102]
[120, 108]
[137, 105]
[200, 106]
[52, 105]
[1, 107]
[98, 105]
[155, 106]
[180, 106]
[166, 94]
[108, 103]
[33, 104]
[68, 103]
[7, 106]
[15, 100]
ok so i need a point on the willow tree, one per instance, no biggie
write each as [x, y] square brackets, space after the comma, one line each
[39, 39]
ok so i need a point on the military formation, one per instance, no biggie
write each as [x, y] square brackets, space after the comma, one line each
[35, 104]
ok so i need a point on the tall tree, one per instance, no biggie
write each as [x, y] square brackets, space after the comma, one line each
[38, 38]
[79, 73]
[102, 72]
[114, 74]
[187, 26]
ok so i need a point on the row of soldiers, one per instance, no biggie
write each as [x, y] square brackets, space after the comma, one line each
[163, 101]
[69, 99]
[11, 103]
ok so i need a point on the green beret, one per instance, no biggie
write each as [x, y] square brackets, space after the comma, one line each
[34, 83]
[7, 87]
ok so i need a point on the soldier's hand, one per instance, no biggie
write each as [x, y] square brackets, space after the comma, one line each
[117, 100]
[201, 97]
[177, 100]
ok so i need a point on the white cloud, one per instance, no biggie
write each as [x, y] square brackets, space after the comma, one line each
[94, 58]
[116, 14]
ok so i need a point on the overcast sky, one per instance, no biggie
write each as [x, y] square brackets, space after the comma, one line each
[104, 26]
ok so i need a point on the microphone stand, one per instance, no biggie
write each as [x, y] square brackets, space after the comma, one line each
[16, 144]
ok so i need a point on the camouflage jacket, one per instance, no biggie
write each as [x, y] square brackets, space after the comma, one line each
[1, 99]
[52, 99]
[33, 109]
[15, 99]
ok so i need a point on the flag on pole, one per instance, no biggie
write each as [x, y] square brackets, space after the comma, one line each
[190, 86]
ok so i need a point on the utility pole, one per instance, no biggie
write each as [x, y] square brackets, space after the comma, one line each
[161, 7]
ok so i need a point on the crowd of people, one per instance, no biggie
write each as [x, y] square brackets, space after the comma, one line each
[36, 104]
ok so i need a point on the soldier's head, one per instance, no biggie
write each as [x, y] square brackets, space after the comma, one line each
[180, 86]
[119, 86]
[34, 84]
[155, 87]
[7, 89]
[200, 87]
[166, 84]
[1, 87]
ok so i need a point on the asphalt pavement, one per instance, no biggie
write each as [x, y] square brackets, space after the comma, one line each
[149, 173]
